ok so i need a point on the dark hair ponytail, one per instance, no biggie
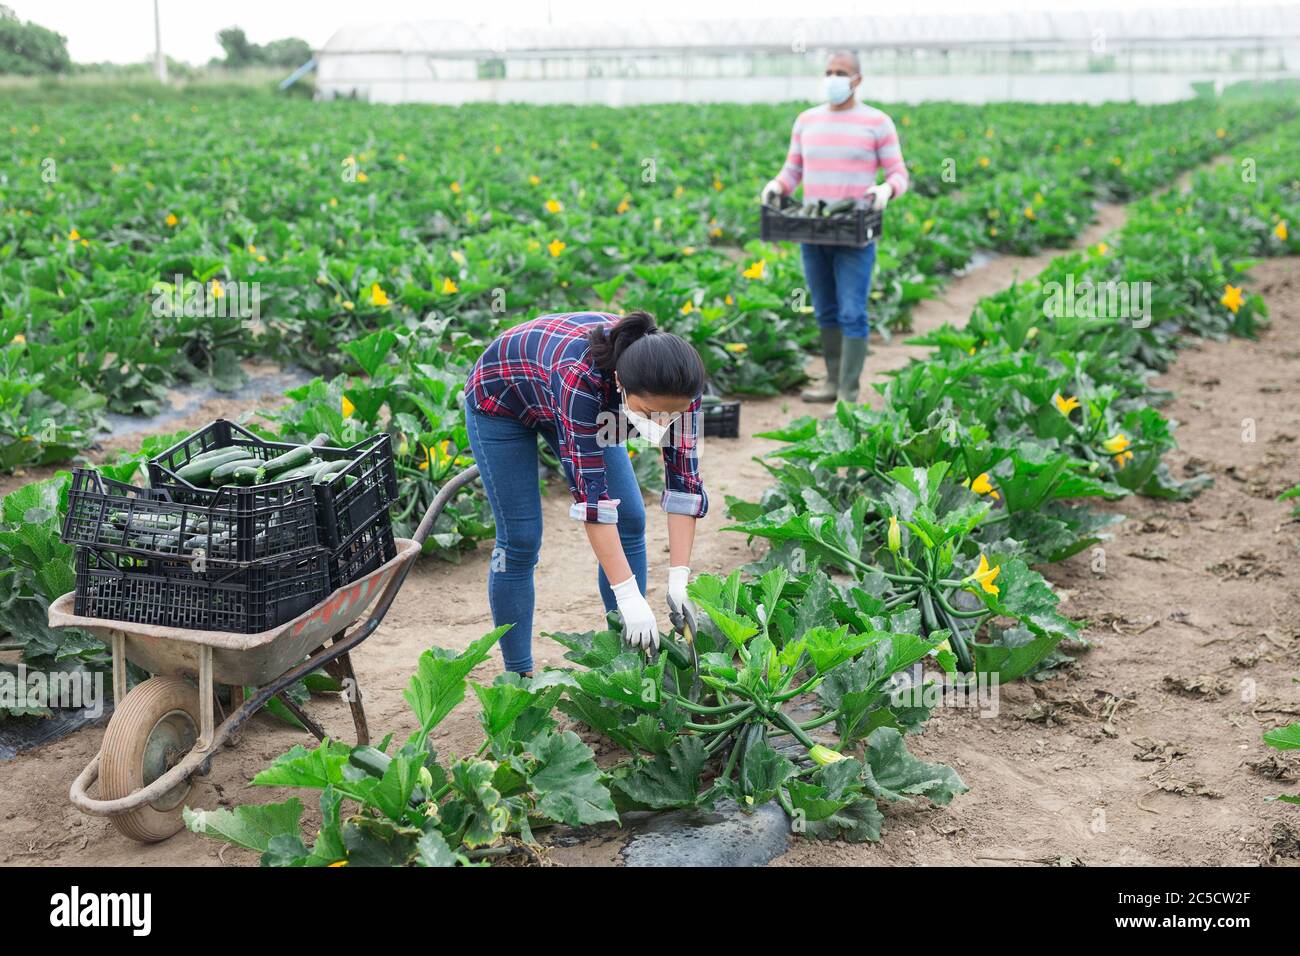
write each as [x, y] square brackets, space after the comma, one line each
[648, 360]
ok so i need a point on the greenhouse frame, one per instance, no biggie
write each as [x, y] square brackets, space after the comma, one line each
[1149, 56]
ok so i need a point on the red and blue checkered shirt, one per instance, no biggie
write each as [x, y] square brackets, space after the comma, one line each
[541, 374]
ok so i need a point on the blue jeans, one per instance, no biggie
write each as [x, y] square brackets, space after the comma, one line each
[506, 453]
[839, 278]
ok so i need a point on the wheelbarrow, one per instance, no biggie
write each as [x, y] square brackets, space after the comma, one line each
[164, 732]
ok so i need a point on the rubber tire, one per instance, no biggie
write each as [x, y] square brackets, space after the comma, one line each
[121, 755]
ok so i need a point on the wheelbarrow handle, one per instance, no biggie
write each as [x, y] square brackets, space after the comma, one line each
[444, 495]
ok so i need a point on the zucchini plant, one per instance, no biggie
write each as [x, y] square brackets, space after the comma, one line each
[770, 650]
[412, 808]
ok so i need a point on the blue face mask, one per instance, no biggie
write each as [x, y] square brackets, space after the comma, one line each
[837, 89]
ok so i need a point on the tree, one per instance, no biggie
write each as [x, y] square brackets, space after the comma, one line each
[239, 52]
[29, 49]
[289, 52]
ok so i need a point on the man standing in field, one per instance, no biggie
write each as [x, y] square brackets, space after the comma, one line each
[836, 149]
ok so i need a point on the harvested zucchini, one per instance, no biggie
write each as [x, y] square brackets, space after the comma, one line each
[294, 458]
[223, 474]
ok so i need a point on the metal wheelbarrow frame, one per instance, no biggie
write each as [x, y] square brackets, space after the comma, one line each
[271, 661]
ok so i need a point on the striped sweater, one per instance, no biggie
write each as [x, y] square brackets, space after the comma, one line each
[836, 153]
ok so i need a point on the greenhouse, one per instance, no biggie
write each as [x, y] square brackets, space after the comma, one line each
[1143, 55]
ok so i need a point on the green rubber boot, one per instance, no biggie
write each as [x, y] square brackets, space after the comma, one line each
[832, 342]
[852, 357]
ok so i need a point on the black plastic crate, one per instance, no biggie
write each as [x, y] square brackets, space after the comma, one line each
[123, 587]
[368, 548]
[344, 503]
[352, 499]
[721, 419]
[857, 228]
[240, 526]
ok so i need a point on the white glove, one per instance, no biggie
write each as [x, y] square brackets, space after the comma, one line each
[677, 598]
[771, 191]
[639, 626]
[880, 195]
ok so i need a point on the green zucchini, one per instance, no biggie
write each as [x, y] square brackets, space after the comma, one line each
[250, 474]
[840, 207]
[331, 470]
[294, 458]
[198, 471]
[224, 473]
[308, 470]
[676, 652]
[372, 760]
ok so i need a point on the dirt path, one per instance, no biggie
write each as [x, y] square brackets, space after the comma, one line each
[1034, 788]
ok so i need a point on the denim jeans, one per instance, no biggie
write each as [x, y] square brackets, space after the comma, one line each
[839, 278]
[506, 453]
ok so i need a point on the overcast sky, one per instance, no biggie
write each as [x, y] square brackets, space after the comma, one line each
[122, 30]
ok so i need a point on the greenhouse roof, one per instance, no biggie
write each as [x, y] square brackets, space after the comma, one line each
[1122, 27]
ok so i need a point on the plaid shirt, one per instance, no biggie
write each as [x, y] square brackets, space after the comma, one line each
[541, 374]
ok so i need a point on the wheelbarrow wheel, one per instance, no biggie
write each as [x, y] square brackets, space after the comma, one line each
[151, 730]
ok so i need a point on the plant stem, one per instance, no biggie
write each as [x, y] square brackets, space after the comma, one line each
[789, 723]
[943, 602]
[823, 719]
[702, 709]
[722, 725]
[801, 689]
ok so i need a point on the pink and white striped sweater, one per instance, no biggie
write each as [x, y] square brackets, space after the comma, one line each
[836, 153]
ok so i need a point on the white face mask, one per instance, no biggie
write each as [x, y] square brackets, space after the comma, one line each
[837, 89]
[652, 430]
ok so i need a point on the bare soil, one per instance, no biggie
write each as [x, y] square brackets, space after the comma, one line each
[1137, 754]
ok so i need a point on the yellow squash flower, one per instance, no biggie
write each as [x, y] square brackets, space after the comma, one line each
[981, 485]
[822, 755]
[717, 185]
[362, 177]
[984, 162]
[894, 538]
[736, 347]
[729, 300]
[377, 295]
[1280, 230]
[73, 236]
[1232, 298]
[1102, 248]
[1123, 458]
[555, 247]
[984, 576]
[535, 179]
[171, 219]
[553, 205]
[1116, 443]
[217, 291]
[19, 339]
[755, 270]
[1029, 213]
[348, 407]
[623, 205]
[455, 187]
[1065, 405]
[688, 307]
[449, 287]
[688, 250]
[401, 157]
[677, 193]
